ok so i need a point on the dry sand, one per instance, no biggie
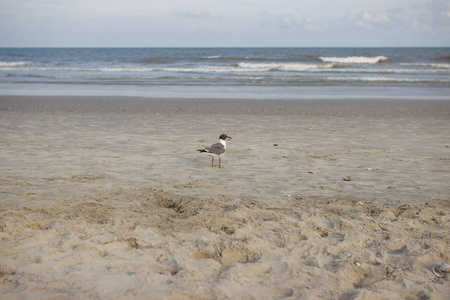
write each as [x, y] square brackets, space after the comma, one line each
[107, 198]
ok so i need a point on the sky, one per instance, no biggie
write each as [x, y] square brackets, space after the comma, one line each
[224, 23]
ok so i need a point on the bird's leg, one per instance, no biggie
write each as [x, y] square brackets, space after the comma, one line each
[212, 162]
[219, 162]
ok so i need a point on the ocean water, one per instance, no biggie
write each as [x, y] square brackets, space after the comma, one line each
[253, 73]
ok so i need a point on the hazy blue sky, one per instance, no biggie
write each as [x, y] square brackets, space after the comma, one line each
[157, 23]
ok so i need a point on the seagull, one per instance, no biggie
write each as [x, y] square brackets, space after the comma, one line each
[217, 149]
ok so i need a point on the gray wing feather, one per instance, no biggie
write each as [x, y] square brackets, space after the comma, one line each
[216, 148]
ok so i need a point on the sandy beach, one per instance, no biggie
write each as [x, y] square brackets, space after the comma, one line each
[107, 198]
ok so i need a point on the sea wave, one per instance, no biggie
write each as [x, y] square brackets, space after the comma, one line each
[425, 65]
[443, 58]
[14, 63]
[239, 67]
[244, 66]
[238, 81]
[157, 60]
[388, 79]
[232, 58]
[355, 59]
[64, 69]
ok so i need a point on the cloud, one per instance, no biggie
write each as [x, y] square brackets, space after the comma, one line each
[242, 22]
[430, 19]
[198, 14]
[291, 19]
[294, 21]
[375, 17]
[369, 19]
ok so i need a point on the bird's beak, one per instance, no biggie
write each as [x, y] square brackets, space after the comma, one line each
[229, 137]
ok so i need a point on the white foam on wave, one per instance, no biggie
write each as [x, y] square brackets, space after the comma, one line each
[388, 71]
[244, 66]
[56, 69]
[355, 59]
[204, 69]
[425, 65]
[239, 68]
[14, 63]
[388, 79]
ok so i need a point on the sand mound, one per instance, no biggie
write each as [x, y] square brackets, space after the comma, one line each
[160, 244]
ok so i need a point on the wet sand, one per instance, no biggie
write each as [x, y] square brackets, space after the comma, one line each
[107, 198]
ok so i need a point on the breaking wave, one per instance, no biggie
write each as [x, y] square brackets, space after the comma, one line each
[14, 63]
[355, 59]
[284, 67]
[425, 65]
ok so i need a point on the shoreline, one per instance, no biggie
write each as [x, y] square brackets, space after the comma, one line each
[323, 107]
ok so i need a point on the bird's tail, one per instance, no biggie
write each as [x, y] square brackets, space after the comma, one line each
[201, 150]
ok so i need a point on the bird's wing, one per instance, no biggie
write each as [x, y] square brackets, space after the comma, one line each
[216, 148]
